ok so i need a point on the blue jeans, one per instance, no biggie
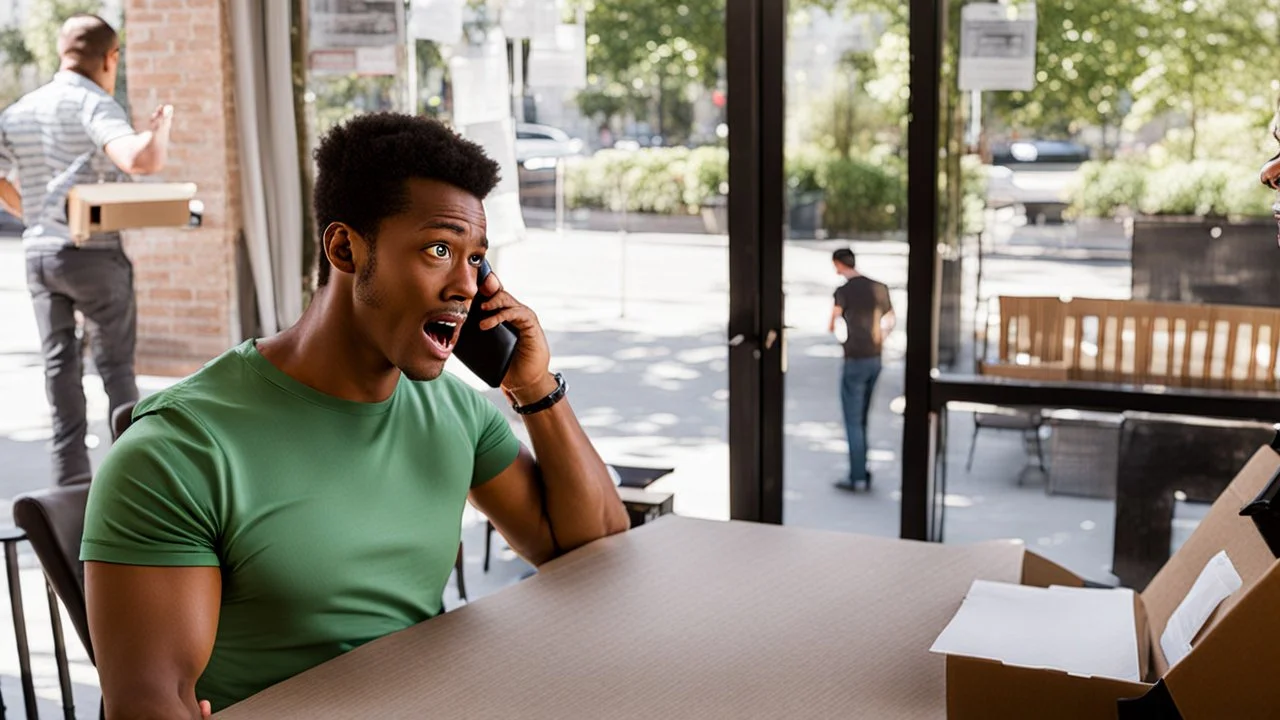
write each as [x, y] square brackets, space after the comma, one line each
[856, 385]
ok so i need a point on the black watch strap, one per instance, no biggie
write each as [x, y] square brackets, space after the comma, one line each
[539, 405]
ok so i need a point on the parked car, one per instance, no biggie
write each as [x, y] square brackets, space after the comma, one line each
[542, 144]
[1027, 152]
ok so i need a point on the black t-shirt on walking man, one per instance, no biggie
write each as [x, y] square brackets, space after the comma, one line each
[863, 302]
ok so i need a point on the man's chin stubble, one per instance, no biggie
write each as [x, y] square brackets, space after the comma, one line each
[426, 376]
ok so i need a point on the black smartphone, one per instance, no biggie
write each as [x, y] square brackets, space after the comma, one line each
[487, 353]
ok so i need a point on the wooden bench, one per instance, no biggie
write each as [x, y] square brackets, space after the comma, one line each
[1137, 342]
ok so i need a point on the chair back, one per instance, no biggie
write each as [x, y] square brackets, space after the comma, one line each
[121, 419]
[53, 520]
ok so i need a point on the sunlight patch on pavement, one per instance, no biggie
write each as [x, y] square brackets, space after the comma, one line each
[703, 355]
[824, 351]
[584, 363]
[35, 434]
[642, 352]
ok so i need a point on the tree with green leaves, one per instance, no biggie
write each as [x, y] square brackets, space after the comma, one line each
[1088, 54]
[647, 55]
[44, 20]
[14, 57]
[1205, 56]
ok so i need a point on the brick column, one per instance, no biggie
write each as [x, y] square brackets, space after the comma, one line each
[178, 52]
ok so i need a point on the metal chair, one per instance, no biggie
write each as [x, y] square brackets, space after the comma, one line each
[1026, 420]
[53, 520]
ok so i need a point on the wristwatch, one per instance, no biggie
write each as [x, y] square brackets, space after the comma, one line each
[552, 398]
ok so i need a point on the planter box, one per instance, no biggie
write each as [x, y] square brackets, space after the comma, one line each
[804, 213]
[1201, 260]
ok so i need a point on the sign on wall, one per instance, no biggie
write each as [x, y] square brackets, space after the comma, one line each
[355, 35]
[997, 47]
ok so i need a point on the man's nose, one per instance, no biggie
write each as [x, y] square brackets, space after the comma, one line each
[463, 282]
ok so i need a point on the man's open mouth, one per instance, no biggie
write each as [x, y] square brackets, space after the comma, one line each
[443, 331]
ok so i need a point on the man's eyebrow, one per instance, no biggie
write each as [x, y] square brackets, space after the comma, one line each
[444, 225]
[484, 242]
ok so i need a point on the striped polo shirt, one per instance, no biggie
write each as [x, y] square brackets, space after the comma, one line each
[53, 137]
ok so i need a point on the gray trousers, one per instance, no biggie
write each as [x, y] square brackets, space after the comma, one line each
[98, 283]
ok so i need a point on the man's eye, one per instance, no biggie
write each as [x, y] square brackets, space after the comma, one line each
[475, 260]
[439, 251]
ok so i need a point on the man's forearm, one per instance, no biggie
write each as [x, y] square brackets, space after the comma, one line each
[581, 502]
[10, 198]
[154, 151]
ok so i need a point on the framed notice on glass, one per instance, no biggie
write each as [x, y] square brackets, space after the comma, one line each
[997, 47]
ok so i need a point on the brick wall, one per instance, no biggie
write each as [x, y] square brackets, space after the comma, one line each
[179, 53]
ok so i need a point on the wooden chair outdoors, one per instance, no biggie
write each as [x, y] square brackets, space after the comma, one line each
[1138, 343]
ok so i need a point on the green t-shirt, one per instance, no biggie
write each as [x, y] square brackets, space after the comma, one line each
[334, 522]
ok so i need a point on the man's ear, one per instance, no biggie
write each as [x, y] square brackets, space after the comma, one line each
[339, 247]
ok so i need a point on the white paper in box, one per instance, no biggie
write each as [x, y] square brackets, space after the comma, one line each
[1089, 632]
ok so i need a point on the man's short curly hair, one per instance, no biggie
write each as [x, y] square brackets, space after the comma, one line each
[363, 166]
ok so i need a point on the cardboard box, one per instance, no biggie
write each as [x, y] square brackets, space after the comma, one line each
[94, 208]
[1226, 673]
[679, 618]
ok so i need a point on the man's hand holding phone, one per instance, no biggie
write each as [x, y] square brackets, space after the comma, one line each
[529, 378]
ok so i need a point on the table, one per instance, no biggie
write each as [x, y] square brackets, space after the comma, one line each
[677, 618]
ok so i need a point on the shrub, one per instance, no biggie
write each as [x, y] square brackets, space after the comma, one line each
[706, 175]
[649, 180]
[1197, 188]
[860, 196]
[1103, 189]
[1204, 188]
[804, 168]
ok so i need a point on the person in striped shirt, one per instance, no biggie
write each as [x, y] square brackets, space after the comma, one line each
[68, 132]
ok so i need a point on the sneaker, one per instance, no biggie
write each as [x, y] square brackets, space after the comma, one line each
[846, 484]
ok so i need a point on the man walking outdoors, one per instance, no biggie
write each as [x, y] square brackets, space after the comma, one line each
[69, 132]
[863, 304]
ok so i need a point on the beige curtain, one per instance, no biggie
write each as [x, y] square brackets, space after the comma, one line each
[270, 181]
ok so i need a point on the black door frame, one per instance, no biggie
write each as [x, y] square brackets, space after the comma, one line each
[754, 50]
[755, 56]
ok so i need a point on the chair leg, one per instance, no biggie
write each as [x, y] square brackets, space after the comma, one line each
[1040, 450]
[488, 543]
[60, 654]
[462, 579]
[20, 630]
[973, 445]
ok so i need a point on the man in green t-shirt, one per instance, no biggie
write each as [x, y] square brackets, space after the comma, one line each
[302, 494]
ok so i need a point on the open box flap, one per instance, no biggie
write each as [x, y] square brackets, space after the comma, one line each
[1222, 529]
[1039, 571]
[1230, 672]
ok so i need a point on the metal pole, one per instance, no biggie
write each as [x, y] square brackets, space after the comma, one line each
[560, 195]
[411, 76]
[622, 250]
[60, 654]
[20, 630]
[517, 79]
